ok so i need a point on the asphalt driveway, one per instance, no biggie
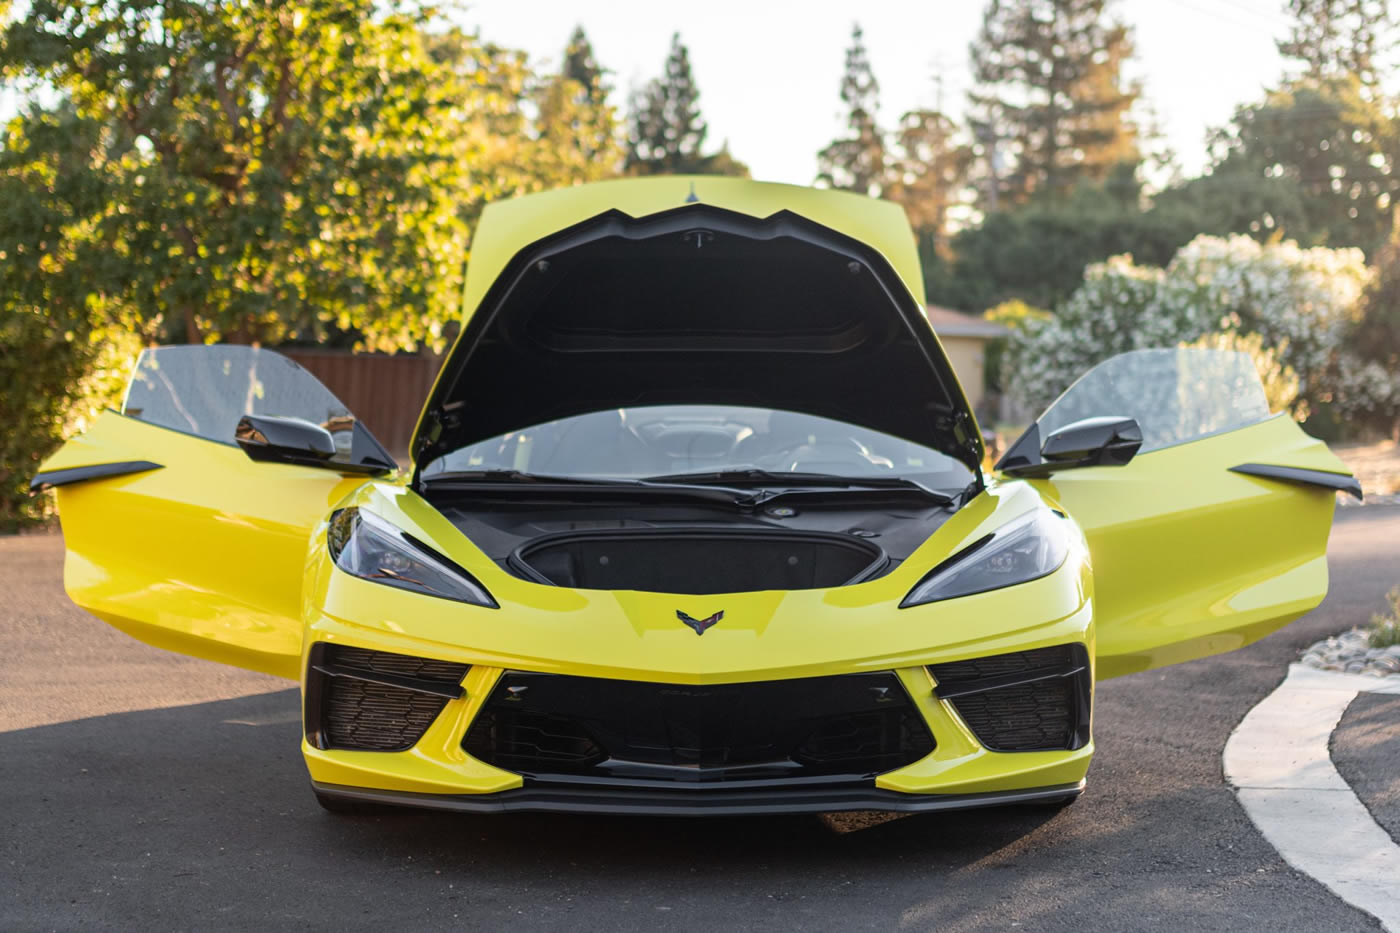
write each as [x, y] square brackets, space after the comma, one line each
[143, 790]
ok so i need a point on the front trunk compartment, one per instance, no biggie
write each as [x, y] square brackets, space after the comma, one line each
[699, 561]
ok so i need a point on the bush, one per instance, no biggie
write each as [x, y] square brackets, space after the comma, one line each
[56, 381]
[1301, 304]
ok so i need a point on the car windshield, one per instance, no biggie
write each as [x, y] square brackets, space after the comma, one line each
[660, 440]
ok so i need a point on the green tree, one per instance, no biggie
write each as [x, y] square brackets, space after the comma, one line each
[577, 127]
[857, 162]
[1037, 253]
[1332, 38]
[926, 174]
[666, 133]
[1050, 107]
[267, 170]
[1315, 159]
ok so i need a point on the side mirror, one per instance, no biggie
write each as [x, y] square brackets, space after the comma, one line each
[1104, 441]
[274, 439]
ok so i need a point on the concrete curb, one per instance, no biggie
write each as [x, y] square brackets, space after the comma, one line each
[1277, 761]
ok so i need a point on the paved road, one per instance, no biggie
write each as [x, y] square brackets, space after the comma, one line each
[143, 790]
[1366, 751]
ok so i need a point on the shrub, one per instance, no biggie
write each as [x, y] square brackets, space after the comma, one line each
[1301, 304]
[1385, 630]
[56, 381]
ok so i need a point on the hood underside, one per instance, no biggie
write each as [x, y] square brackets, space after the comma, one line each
[698, 305]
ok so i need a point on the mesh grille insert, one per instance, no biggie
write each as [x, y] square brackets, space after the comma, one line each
[1035, 700]
[346, 712]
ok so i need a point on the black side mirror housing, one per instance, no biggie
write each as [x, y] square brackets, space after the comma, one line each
[274, 439]
[1110, 440]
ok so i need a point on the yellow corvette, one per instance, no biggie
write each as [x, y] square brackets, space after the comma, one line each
[696, 523]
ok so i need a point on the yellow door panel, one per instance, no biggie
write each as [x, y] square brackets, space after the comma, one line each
[1215, 533]
[174, 535]
[1191, 559]
[204, 555]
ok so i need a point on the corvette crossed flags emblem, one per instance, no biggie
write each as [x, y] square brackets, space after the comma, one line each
[700, 625]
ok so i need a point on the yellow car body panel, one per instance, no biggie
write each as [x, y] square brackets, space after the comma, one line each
[205, 556]
[206, 552]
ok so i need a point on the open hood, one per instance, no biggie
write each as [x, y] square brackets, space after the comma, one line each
[695, 291]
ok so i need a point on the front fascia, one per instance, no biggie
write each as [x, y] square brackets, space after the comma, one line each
[499, 377]
[763, 636]
[635, 635]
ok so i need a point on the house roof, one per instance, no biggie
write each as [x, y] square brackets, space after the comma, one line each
[949, 323]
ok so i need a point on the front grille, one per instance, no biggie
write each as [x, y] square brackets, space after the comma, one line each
[550, 725]
[373, 700]
[1035, 700]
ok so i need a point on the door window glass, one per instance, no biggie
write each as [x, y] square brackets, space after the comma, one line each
[204, 390]
[1176, 395]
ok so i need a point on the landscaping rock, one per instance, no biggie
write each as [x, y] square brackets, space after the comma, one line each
[1352, 653]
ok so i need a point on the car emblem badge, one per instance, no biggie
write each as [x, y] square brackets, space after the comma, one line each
[700, 625]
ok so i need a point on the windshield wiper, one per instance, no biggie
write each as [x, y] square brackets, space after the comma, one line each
[808, 482]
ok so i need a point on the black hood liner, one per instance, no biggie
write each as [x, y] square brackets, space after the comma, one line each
[698, 305]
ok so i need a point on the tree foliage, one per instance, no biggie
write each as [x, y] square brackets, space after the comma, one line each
[577, 127]
[856, 162]
[1050, 108]
[1335, 38]
[1037, 253]
[666, 133]
[1323, 153]
[268, 169]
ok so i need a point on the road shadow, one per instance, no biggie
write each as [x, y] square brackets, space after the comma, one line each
[201, 817]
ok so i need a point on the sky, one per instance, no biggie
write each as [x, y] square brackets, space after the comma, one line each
[769, 70]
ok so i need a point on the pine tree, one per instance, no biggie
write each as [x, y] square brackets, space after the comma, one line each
[666, 131]
[577, 127]
[1330, 38]
[1050, 108]
[857, 162]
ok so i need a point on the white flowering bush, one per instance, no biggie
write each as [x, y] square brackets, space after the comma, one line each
[1300, 303]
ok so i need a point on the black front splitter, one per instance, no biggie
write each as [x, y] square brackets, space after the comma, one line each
[623, 801]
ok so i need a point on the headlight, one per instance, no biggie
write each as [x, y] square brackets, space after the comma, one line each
[1025, 549]
[367, 546]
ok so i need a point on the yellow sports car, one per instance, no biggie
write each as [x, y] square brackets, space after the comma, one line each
[696, 522]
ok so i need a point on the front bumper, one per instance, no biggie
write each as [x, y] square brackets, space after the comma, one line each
[959, 772]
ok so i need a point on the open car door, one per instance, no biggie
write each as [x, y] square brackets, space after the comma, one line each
[176, 536]
[1215, 533]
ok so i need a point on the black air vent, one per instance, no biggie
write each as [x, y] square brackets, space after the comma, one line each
[373, 700]
[553, 726]
[1035, 700]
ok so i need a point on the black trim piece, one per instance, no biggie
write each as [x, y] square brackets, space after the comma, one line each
[1341, 482]
[617, 801]
[51, 478]
[451, 691]
[1009, 680]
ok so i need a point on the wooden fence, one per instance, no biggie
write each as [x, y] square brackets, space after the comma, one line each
[384, 392]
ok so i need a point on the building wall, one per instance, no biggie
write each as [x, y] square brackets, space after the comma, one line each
[966, 355]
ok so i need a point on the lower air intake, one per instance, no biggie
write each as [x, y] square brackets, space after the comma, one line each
[373, 700]
[552, 726]
[1024, 701]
